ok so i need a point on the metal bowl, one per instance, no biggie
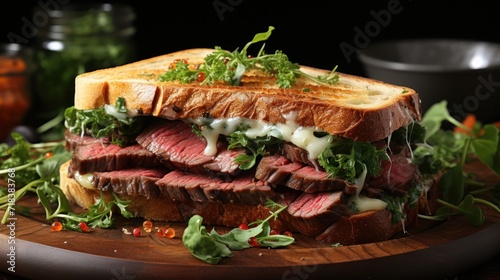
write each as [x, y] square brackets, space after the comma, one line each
[465, 73]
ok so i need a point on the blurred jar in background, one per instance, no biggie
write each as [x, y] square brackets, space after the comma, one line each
[77, 38]
[14, 89]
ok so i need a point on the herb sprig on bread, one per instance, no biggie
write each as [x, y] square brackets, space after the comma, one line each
[229, 67]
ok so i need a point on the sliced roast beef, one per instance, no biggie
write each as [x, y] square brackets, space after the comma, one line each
[308, 179]
[180, 148]
[397, 176]
[251, 191]
[72, 140]
[223, 165]
[184, 187]
[296, 154]
[311, 213]
[133, 182]
[151, 137]
[97, 157]
[278, 170]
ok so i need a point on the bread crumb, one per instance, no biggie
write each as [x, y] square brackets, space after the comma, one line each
[126, 231]
[260, 254]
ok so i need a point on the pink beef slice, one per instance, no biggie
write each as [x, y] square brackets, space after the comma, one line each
[74, 140]
[186, 187]
[99, 157]
[133, 181]
[311, 213]
[180, 148]
[397, 177]
[278, 170]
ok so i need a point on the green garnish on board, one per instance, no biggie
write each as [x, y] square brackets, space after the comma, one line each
[229, 67]
[449, 151]
[34, 168]
[211, 247]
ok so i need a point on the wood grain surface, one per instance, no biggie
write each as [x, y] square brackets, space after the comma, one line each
[429, 250]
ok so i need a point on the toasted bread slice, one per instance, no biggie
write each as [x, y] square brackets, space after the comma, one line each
[356, 107]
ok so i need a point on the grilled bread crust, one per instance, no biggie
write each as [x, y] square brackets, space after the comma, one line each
[359, 108]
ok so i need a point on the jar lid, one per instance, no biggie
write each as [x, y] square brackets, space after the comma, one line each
[84, 19]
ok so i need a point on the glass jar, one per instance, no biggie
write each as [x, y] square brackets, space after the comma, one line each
[78, 38]
[14, 87]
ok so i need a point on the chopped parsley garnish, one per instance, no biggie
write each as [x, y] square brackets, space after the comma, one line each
[346, 158]
[229, 67]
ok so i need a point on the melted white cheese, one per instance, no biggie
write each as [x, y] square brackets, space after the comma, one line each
[301, 136]
[362, 202]
[84, 180]
[113, 111]
[367, 203]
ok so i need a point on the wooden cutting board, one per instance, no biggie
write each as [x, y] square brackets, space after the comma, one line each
[426, 251]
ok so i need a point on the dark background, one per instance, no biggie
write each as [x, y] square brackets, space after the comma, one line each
[309, 32]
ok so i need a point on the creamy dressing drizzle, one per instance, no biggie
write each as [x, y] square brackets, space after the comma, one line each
[401, 206]
[301, 136]
[364, 203]
[113, 111]
[84, 180]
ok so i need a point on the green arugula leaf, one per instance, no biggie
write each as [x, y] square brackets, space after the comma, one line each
[448, 151]
[201, 244]
[259, 37]
[98, 215]
[19, 156]
[237, 239]
[473, 213]
[434, 117]
[275, 241]
[257, 147]
[346, 158]
[395, 203]
[43, 161]
[212, 247]
[451, 184]
[47, 193]
[486, 146]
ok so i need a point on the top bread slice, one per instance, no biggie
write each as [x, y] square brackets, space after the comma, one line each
[359, 108]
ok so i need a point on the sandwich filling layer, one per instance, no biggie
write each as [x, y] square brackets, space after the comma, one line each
[321, 178]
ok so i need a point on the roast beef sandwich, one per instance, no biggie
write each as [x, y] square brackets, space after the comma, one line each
[219, 133]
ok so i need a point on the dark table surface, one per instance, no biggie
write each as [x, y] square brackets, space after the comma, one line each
[489, 270]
